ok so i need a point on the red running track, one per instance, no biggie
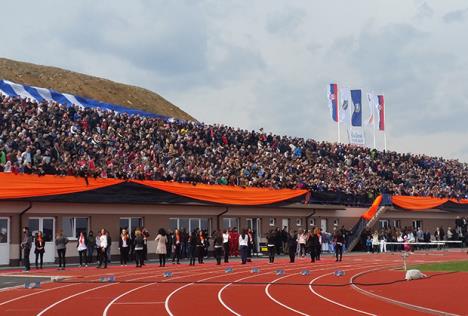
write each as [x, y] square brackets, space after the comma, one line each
[147, 292]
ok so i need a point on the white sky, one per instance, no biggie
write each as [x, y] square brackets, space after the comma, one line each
[254, 64]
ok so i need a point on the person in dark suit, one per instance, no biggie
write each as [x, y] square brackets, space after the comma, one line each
[125, 243]
[138, 245]
[338, 240]
[192, 247]
[201, 240]
[292, 246]
[26, 245]
[271, 246]
[313, 243]
[218, 246]
[39, 249]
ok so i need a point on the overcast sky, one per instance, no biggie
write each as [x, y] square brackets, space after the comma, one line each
[254, 64]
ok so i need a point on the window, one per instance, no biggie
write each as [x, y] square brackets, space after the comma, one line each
[72, 226]
[384, 224]
[299, 222]
[396, 223]
[230, 222]
[312, 222]
[336, 222]
[189, 224]
[131, 223]
[417, 224]
[272, 221]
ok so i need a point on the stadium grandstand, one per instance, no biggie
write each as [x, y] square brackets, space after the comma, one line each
[79, 168]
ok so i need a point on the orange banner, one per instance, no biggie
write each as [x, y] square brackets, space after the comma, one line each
[373, 209]
[19, 186]
[417, 202]
[225, 194]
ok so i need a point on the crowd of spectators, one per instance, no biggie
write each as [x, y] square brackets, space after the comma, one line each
[49, 138]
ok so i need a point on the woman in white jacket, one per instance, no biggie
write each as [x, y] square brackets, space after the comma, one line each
[161, 249]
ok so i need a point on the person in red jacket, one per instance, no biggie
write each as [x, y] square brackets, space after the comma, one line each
[234, 243]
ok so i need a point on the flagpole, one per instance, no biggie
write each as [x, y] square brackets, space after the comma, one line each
[338, 113]
[386, 124]
[374, 119]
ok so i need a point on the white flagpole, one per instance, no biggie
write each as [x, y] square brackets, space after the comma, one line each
[386, 123]
[338, 101]
[374, 119]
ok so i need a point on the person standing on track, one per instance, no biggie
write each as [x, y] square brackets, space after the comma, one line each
[226, 245]
[313, 244]
[271, 239]
[292, 246]
[192, 242]
[161, 249]
[244, 246]
[61, 245]
[124, 247]
[91, 246]
[200, 246]
[177, 241]
[26, 245]
[138, 244]
[82, 247]
[39, 249]
[103, 249]
[218, 246]
[338, 241]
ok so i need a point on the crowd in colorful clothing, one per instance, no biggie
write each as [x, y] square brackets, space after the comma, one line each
[54, 139]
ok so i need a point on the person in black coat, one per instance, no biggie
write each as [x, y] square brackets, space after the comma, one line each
[26, 245]
[292, 246]
[193, 247]
[313, 243]
[271, 246]
[338, 240]
[138, 246]
[218, 246]
[39, 249]
[200, 246]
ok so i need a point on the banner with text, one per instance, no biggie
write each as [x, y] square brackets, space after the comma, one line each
[356, 136]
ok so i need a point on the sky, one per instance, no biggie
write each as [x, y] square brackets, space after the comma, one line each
[266, 64]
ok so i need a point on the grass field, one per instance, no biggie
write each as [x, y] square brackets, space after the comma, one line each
[443, 266]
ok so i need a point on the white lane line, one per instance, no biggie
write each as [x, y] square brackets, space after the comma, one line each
[335, 302]
[220, 292]
[168, 298]
[393, 301]
[96, 288]
[58, 287]
[114, 301]
[139, 303]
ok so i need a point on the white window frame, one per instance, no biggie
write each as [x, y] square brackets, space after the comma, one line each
[190, 228]
[414, 223]
[312, 222]
[233, 222]
[272, 221]
[384, 224]
[395, 221]
[74, 226]
[129, 221]
[298, 222]
[336, 222]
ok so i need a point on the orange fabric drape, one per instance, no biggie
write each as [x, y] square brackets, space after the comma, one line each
[417, 202]
[462, 201]
[373, 209]
[225, 194]
[19, 186]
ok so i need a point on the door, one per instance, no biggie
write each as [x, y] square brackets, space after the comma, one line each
[4, 240]
[254, 224]
[323, 224]
[47, 226]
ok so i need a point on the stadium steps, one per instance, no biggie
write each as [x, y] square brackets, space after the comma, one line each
[363, 224]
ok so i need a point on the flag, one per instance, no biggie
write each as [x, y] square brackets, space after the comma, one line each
[332, 95]
[356, 117]
[380, 106]
[372, 100]
[344, 104]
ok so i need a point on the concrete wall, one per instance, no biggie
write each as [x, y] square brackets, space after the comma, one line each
[156, 216]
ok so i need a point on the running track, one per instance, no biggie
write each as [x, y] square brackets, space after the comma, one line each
[207, 289]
